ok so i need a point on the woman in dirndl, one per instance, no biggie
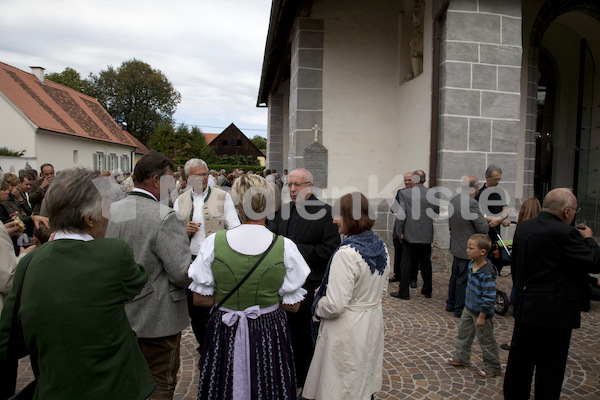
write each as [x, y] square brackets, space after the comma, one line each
[247, 350]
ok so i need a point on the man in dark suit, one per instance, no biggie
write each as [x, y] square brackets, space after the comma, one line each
[307, 221]
[416, 230]
[465, 220]
[550, 261]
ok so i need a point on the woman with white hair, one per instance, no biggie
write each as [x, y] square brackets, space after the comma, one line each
[253, 276]
[71, 313]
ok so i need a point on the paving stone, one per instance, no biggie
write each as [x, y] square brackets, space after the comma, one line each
[419, 338]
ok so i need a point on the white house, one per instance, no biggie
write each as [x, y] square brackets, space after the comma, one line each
[58, 125]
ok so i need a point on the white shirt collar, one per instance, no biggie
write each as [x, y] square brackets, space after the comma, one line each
[145, 192]
[61, 234]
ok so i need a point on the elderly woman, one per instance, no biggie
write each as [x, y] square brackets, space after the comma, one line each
[247, 351]
[71, 314]
[348, 358]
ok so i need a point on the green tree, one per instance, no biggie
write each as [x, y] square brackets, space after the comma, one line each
[180, 144]
[71, 78]
[138, 97]
[259, 142]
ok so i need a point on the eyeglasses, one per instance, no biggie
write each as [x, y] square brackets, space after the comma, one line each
[578, 209]
[203, 174]
[299, 184]
[495, 179]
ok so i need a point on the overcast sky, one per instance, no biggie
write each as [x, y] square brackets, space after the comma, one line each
[210, 50]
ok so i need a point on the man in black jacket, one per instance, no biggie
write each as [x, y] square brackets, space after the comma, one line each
[550, 261]
[308, 222]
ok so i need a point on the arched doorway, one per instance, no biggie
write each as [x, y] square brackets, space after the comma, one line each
[567, 99]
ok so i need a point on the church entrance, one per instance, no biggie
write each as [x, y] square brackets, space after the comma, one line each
[568, 112]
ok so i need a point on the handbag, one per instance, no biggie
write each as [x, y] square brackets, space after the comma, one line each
[240, 283]
[11, 357]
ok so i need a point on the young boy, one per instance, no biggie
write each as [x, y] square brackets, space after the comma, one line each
[480, 304]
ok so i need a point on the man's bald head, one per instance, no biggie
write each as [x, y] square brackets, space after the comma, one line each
[562, 203]
[470, 184]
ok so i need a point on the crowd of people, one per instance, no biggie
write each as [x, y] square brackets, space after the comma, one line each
[113, 267]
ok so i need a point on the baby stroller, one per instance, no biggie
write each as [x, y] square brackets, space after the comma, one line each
[500, 254]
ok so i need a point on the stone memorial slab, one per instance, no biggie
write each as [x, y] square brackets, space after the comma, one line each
[315, 160]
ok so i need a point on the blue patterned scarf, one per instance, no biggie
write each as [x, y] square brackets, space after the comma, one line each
[371, 249]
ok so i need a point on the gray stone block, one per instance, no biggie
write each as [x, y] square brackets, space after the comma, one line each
[451, 185]
[500, 105]
[484, 77]
[511, 31]
[309, 24]
[505, 136]
[311, 40]
[500, 55]
[310, 58]
[463, 5]
[503, 7]
[460, 102]
[453, 133]
[453, 166]
[307, 119]
[530, 150]
[303, 140]
[381, 223]
[509, 79]
[310, 99]
[473, 27]
[310, 78]
[459, 51]
[480, 133]
[455, 74]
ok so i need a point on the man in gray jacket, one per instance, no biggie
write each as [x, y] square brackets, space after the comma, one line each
[417, 206]
[465, 220]
[159, 241]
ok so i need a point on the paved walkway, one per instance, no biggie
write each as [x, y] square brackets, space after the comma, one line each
[419, 339]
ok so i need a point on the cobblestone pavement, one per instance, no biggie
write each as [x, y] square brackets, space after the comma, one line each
[419, 340]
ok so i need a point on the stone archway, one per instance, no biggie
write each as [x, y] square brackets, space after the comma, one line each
[538, 68]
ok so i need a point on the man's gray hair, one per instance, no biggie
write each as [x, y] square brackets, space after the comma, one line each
[557, 200]
[308, 177]
[194, 162]
[73, 194]
[491, 169]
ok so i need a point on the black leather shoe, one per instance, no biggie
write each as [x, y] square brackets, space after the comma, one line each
[394, 279]
[413, 284]
[398, 296]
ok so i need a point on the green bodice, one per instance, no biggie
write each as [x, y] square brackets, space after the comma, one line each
[261, 288]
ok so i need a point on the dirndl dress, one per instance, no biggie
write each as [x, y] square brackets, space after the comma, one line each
[255, 307]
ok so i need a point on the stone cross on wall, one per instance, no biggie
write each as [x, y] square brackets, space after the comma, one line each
[316, 129]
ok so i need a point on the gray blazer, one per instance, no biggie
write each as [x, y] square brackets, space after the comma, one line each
[417, 228]
[462, 225]
[160, 243]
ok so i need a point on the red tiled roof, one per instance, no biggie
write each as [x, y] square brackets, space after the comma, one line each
[57, 108]
[210, 137]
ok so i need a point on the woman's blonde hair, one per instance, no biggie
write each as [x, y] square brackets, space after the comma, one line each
[253, 197]
[529, 209]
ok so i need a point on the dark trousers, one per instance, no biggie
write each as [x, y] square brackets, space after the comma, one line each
[300, 328]
[199, 317]
[544, 348]
[397, 257]
[415, 255]
[457, 285]
[162, 356]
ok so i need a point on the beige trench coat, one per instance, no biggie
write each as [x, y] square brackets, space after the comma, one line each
[348, 359]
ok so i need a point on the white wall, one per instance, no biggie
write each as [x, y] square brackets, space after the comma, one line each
[17, 132]
[373, 125]
[57, 149]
